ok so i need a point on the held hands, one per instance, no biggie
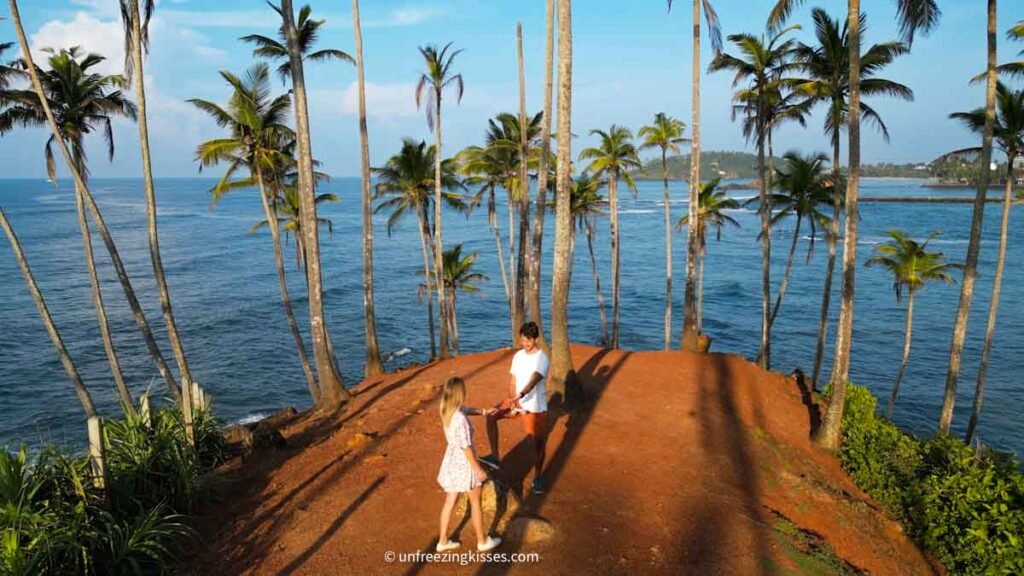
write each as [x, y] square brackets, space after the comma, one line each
[480, 473]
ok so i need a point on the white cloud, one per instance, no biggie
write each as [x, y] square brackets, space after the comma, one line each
[106, 37]
[87, 31]
[382, 100]
[407, 16]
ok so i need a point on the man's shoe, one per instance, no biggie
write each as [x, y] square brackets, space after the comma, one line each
[490, 461]
[538, 486]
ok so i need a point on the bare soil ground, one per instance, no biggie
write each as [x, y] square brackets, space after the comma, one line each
[672, 463]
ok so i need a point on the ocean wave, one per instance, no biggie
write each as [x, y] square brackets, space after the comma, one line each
[397, 354]
[637, 211]
[251, 418]
[55, 199]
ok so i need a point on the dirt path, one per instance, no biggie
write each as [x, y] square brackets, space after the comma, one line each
[673, 463]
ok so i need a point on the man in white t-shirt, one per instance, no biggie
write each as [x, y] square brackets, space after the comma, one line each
[527, 400]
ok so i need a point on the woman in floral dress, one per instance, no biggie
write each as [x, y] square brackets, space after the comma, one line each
[460, 472]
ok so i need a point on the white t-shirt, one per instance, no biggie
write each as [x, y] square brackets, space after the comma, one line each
[524, 365]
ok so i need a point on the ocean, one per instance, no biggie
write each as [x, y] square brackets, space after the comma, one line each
[224, 290]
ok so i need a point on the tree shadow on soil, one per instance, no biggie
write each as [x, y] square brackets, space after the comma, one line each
[714, 532]
[590, 382]
[332, 529]
[262, 531]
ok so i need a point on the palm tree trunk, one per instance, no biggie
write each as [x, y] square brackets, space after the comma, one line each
[438, 220]
[455, 322]
[828, 434]
[542, 182]
[374, 366]
[523, 267]
[424, 244]
[765, 352]
[332, 393]
[689, 339]
[572, 252]
[668, 253]
[993, 307]
[789, 270]
[90, 204]
[700, 292]
[127, 404]
[597, 289]
[907, 337]
[282, 282]
[147, 175]
[504, 274]
[833, 244]
[44, 312]
[974, 245]
[613, 202]
[516, 311]
[561, 358]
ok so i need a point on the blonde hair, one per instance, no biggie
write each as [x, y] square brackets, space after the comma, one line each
[451, 399]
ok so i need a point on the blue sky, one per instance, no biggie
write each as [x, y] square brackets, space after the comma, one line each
[632, 59]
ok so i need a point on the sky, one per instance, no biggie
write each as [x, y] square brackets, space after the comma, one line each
[631, 60]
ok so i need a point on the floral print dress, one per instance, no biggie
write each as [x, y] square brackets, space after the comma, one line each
[456, 474]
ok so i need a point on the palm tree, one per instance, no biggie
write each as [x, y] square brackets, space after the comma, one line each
[459, 275]
[523, 267]
[404, 184]
[1008, 133]
[51, 328]
[373, 366]
[256, 126]
[913, 16]
[6, 73]
[115, 257]
[827, 66]
[429, 91]
[764, 64]
[504, 142]
[332, 393]
[83, 101]
[711, 212]
[912, 266]
[689, 339]
[285, 202]
[485, 167]
[561, 357]
[307, 33]
[586, 207]
[803, 186]
[135, 17]
[666, 134]
[542, 179]
[611, 160]
[974, 243]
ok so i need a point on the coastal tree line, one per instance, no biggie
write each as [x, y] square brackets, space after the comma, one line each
[267, 147]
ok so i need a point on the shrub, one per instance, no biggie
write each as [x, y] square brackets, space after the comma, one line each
[54, 521]
[964, 507]
[880, 458]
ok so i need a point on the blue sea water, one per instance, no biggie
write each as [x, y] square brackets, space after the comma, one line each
[225, 294]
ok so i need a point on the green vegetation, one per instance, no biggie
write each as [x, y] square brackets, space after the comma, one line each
[889, 170]
[726, 165]
[55, 521]
[964, 506]
[743, 165]
[807, 551]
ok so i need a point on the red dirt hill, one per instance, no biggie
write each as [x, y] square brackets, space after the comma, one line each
[672, 463]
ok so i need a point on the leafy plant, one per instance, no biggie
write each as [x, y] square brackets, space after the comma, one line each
[965, 506]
